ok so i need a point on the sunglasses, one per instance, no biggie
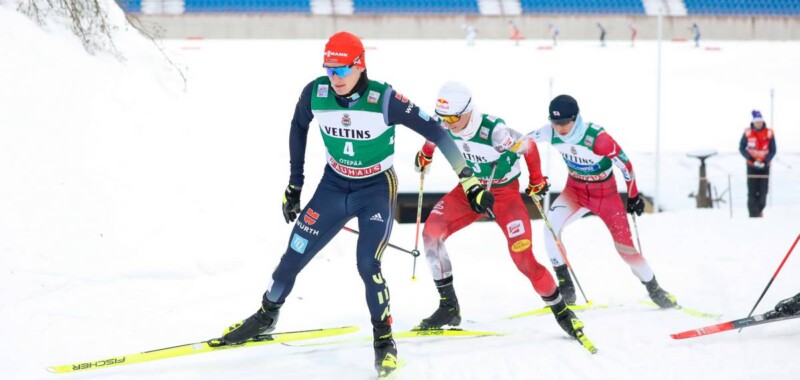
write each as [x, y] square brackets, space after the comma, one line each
[341, 71]
[452, 119]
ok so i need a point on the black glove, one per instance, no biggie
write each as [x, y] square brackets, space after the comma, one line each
[479, 199]
[635, 205]
[291, 203]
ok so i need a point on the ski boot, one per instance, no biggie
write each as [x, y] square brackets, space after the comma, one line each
[564, 316]
[448, 312]
[262, 322]
[385, 349]
[785, 308]
[565, 285]
[660, 296]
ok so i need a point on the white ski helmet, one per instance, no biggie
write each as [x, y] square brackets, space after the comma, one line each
[454, 99]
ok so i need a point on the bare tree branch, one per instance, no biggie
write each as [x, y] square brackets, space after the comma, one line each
[152, 33]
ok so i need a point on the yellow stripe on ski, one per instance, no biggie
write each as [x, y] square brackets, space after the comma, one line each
[200, 347]
[443, 332]
[546, 310]
[692, 312]
[586, 343]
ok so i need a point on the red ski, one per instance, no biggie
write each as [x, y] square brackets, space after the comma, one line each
[726, 326]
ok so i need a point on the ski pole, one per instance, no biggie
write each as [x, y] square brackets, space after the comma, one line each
[773, 276]
[635, 226]
[489, 212]
[636, 231]
[348, 229]
[559, 245]
[415, 251]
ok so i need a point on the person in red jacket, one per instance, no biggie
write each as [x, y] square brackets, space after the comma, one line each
[493, 151]
[758, 148]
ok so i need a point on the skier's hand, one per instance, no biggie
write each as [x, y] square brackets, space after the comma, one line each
[759, 164]
[539, 189]
[422, 162]
[480, 200]
[635, 205]
[291, 203]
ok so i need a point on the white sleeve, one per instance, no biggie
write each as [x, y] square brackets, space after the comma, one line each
[543, 134]
[507, 139]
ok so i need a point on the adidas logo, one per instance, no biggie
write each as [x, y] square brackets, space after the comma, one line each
[377, 218]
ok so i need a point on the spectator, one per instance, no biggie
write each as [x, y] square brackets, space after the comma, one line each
[515, 33]
[602, 34]
[554, 33]
[696, 31]
[758, 148]
[472, 32]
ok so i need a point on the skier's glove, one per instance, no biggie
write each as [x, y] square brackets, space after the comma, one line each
[480, 200]
[759, 164]
[635, 205]
[422, 162]
[291, 203]
[539, 189]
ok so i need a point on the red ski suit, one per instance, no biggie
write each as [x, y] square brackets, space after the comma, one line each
[452, 213]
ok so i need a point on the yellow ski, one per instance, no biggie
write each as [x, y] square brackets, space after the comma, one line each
[201, 347]
[546, 310]
[443, 332]
[692, 312]
[586, 343]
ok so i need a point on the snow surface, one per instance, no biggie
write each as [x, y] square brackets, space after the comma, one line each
[137, 216]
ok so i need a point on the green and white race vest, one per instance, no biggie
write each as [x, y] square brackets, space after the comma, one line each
[358, 142]
[479, 153]
[582, 162]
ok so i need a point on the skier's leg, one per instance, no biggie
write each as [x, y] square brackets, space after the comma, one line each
[608, 206]
[763, 188]
[451, 214]
[562, 212]
[513, 219]
[374, 203]
[321, 219]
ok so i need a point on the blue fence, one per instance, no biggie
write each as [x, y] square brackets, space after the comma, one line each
[415, 7]
[582, 7]
[744, 7]
[130, 6]
[530, 7]
[248, 6]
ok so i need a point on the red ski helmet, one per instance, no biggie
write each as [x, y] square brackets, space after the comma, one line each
[344, 48]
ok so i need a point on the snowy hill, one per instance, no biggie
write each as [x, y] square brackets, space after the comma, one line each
[137, 216]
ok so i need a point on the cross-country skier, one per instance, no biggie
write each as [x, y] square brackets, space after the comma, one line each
[357, 118]
[483, 140]
[591, 154]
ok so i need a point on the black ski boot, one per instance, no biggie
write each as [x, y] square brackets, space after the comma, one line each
[564, 316]
[565, 285]
[785, 308]
[448, 312]
[660, 296]
[385, 349]
[262, 322]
